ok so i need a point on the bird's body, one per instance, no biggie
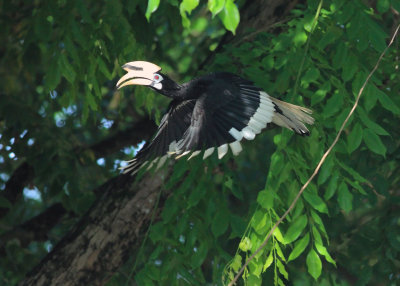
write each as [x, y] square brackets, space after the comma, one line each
[215, 111]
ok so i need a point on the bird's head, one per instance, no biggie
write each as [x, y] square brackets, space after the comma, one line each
[141, 73]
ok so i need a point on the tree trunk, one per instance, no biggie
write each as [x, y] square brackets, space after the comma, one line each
[102, 241]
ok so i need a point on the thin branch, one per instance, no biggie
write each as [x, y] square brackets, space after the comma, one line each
[319, 164]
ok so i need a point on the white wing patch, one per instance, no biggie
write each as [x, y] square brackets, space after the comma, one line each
[260, 119]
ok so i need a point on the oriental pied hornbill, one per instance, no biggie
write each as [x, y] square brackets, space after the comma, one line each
[214, 111]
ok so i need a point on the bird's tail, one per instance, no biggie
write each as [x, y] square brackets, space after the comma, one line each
[291, 116]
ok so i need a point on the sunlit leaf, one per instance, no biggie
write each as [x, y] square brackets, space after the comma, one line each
[230, 16]
[266, 199]
[269, 261]
[186, 7]
[299, 247]
[279, 251]
[236, 263]
[215, 6]
[323, 251]
[152, 6]
[314, 200]
[245, 244]
[282, 269]
[314, 264]
[295, 229]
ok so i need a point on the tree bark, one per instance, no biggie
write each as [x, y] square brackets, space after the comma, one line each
[103, 239]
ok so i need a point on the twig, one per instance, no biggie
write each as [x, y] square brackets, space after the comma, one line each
[319, 164]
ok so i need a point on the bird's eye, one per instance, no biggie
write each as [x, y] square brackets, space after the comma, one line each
[157, 78]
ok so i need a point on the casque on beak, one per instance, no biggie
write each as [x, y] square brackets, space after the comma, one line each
[139, 73]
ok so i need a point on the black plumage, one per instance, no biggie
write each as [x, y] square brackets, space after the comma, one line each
[215, 111]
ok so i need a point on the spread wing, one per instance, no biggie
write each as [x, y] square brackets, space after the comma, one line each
[172, 127]
[241, 111]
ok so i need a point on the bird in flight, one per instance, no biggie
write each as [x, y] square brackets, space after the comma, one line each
[210, 112]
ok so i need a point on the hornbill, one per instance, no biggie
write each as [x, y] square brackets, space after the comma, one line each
[215, 111]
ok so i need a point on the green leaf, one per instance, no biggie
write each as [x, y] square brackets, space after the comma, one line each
[314, 200]
[316, 234]
[152, 6]
[340, 57]
[245, 244]
[259, 222]
[299, 247]
[279, 251]
[103, 68]
[354, 139]
[230, 16]
[66, 69]
[185, 8]
[253, 280]
[326, 169]
[295, 229]
[314, 264]
[333, 105]
[220, 222]
[282, 269]
[350, 68]
[387, 102]
[371, 124]
[269, 261]
[199, 255]
[353, 172]
[255, 267]
[317, 219]
[356, 185]
[278, 235]
[383, 5]
[345, 198]
[311, 75]
[215, 6]
[373, 142]
[376, 35]
[331, 189]
[266, 199]
[236, 263]
[53, 75]
[91, 100]
[323, 251]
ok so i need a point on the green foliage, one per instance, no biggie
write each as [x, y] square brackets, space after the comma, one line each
[59, 66]
[226, 9]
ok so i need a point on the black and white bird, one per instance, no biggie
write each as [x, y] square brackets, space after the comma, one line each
[208, 113]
